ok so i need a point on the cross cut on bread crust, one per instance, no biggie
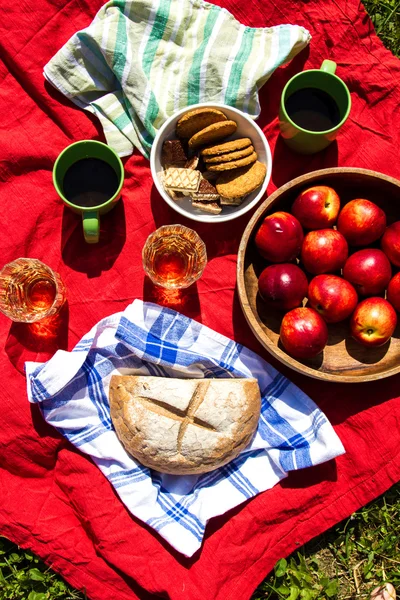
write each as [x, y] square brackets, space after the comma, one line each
[184, 425]
[187, 417]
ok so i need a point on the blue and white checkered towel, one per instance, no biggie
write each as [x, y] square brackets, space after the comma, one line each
[146, 339]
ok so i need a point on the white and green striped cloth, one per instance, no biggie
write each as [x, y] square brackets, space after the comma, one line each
[142, 60]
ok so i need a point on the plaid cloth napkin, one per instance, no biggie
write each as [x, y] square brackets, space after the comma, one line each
[140, 61]
[146, 339]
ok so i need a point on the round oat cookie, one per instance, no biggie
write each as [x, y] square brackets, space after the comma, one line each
[212, 133]
[226, 147]
[233, 164]
[196, 120]
[241, 182]
[220, 158]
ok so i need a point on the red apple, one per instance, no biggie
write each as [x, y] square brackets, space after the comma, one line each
[369, 271]
[279, 237]
[373, 322]
[361, 222]
[324, 251]
[317, 207]
[283, 286]
[391, 243]
[333, 297]
[304, 333]
[393, 292]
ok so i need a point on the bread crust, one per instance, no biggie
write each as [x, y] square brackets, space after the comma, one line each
[184, 426]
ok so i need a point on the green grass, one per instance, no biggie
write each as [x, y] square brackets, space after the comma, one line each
[385, 15]
[345, 563]
[23, 576]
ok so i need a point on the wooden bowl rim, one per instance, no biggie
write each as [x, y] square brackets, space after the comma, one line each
[242, 292]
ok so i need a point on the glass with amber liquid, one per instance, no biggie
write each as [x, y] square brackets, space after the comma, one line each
[174, 257]
[30, 291]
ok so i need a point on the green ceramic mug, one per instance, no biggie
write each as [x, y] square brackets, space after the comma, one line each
[89, 149]
[303, 129]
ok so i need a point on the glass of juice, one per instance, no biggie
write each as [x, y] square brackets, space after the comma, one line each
[30, 291]
[174, 257]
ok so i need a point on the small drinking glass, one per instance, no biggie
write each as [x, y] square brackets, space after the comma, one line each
[174, 257]
[30, 291]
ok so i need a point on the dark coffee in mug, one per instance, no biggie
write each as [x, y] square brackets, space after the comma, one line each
[313, 109]
[90, 182]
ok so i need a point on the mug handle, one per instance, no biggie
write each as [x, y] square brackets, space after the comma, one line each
[328, 66]
[91, 226]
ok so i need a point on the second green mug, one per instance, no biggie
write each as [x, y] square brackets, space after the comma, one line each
[88, 176]
[314, 106]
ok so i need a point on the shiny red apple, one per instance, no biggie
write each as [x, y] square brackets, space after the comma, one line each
[390, 243]
[279, 237]
[373, 322]
[393, 292]
[283, 286]
[369, 271]
[324, 251]
[361, 222]
[317, 207]
[304, 333]
[333, 297]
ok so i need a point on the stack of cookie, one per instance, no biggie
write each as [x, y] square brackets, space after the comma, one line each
[200, 165]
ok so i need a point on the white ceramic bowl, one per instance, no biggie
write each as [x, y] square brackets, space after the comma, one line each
[246, 128]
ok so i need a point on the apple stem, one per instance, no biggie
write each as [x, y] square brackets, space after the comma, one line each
[370, 331]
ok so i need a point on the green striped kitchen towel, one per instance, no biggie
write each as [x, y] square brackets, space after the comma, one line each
[140, 61]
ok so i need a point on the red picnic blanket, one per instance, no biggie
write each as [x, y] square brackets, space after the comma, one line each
[53, 499]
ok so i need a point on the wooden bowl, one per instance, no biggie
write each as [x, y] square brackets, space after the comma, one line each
[343, 359]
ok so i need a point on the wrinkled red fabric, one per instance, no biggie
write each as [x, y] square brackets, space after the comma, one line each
[52, 498]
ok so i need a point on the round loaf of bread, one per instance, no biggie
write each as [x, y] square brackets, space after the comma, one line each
[184, 426]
